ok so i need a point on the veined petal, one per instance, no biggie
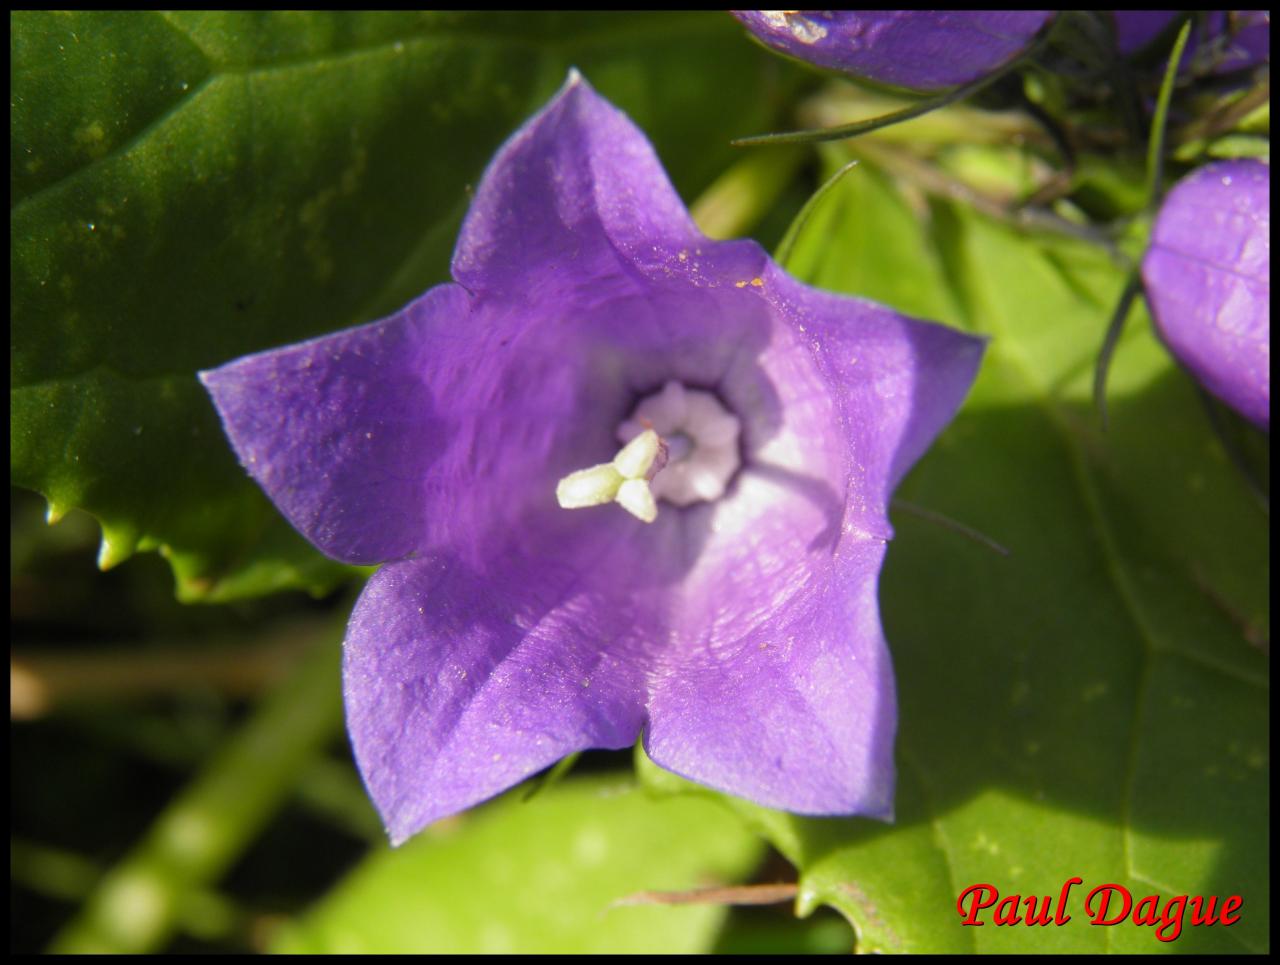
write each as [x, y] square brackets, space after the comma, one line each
[435, 429]
[342, 431]
[781, 690]
[798, 712]
[895, 381]
[461, 682]
[1208, 280]
[576, 194]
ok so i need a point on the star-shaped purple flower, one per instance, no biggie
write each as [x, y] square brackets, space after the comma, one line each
[1207, 275]
[916, 49]
[739, 631]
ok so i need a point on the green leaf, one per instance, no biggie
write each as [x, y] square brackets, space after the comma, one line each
[190, 187]
[540, 877]
[861, 239]
[1096, 704]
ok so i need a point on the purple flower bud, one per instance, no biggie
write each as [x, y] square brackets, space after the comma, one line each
[916, 49]
[1226, 41]
[1208, 281]
[471, 441]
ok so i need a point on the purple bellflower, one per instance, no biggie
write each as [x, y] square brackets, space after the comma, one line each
[1207, 275]
[1226, 41]
[597, 349]
[916, 49]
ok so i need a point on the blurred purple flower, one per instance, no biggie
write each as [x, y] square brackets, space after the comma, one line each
[740, 631]
[1226, 41]
[1208, 281]
[916, 49]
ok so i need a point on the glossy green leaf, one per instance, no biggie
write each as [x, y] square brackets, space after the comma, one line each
[859, 238]
[1095, 704]
[190, 187]
[540, 876]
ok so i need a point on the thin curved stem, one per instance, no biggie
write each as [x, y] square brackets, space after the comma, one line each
[1235, 455]
[762, 894]
[1061, 182]
[1159, 121]
[1226, 118]
[1131, 289]
[934, 180]
[946, 522]
[785, 247]
[552, 777]
[917, 109]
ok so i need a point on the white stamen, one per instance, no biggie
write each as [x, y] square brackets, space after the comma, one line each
[638, 455]
[625, 480]
[702, 436]
[680, 445]
[589, 487]
[636, 498]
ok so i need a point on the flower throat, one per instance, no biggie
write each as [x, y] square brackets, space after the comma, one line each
[681, 445]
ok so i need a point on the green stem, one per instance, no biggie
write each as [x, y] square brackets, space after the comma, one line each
[1235, 455]
[66, 876]
[1063, 180]
[933, 180]
[1109, 342]
[783, 254]
[52, 872]
[552, 777]
[917, 109]
[1159, 122]
[41, 682]
[138, 904]
[946, 522]
[1225, 118]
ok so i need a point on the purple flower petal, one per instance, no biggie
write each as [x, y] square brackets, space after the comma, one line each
[461, 682]
[572, 197]
[801, 677]
[741, 633]
[1226, 41]
[341, 431]
[1208, 281]
[895, 382]
[917, 49]
[798, 672]
[370, 440]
